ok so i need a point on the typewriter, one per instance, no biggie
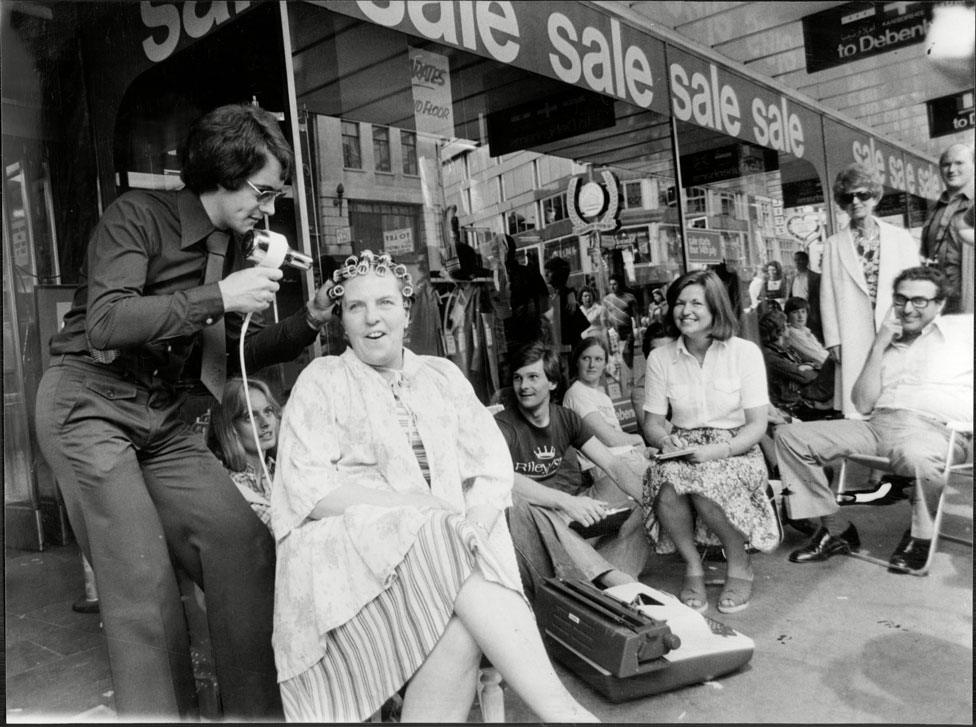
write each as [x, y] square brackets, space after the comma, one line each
[633, 641]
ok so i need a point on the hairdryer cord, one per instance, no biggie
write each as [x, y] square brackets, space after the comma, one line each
[247, 400]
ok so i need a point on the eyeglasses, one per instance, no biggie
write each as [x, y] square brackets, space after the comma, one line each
[265, 195]
[848, 197]
[918, 302]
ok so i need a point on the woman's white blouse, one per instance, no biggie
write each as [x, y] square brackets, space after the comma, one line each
[732, 378]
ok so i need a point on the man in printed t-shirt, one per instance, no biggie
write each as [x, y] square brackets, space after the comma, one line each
[550, 490]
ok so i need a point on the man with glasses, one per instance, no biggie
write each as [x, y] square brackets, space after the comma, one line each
[165, 270]
[941, 245]
[918, 376]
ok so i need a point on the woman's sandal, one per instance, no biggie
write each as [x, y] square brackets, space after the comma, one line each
[693, 592]
[735, 595]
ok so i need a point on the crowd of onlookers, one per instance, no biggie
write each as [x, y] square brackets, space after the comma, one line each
[403, 529]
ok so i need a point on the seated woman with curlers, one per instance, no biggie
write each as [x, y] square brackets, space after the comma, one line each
[394, 565]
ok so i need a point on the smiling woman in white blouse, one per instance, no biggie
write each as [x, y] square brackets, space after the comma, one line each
[715, 486]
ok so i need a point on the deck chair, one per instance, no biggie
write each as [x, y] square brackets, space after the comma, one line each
[957, 430]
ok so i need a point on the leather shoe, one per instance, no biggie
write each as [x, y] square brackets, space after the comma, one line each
[823, 545]
[910, 555]
[83, 605]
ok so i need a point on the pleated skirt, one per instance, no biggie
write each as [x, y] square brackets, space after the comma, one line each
[369, 658]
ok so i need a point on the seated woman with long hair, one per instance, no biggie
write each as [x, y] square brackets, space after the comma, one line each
[232, 440]
[715, 386]
[394, 565]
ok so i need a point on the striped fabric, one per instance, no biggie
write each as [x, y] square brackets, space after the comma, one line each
[370, 657]
[409, 425]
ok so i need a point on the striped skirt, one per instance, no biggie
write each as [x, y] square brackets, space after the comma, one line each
[369, 658]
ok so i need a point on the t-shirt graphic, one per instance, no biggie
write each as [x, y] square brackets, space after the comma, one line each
[547, 454]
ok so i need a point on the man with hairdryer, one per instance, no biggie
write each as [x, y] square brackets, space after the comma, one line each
[164, 270]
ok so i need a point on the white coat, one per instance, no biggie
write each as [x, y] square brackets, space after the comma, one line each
[845, 307]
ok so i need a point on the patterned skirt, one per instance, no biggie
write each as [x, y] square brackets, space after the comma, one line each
[736, 484]
[369, 658]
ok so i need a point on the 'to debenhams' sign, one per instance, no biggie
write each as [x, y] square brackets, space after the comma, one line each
[858, 30]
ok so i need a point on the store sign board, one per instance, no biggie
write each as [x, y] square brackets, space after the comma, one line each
[859, 30]
[704, 246]
[897, 169]
[571, 42]
[398, 241]
[730, 161]
[433, 102]
[718, 99]
[541, 121]
[173, 24]
[950, 114]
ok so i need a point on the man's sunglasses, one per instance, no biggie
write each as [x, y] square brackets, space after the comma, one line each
[846, 198]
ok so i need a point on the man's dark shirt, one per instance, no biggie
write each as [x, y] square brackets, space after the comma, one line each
[142, 293]
[939, 241]
[547, 454]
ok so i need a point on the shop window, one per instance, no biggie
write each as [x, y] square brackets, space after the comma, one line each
[746, 204]
[352, 157]
[408, 151]
[381, 149]
[521, 219]
[554, 208]
[633, 196]
[486, 150]
[392, 227]
[568, 249]
[696, 201]
[727, 204]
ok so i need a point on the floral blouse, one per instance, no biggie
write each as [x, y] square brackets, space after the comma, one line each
[340, 427]
[256, 489]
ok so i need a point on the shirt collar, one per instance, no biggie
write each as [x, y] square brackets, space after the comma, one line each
[966, 193]
[936, 326]
[195, 223]
[681, 348]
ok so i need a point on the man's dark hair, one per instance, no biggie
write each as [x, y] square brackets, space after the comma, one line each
[921, 272]
[538, 351]
[771, 326]
[230, 143]
[724, 323]
[559, 270]
[796, 303]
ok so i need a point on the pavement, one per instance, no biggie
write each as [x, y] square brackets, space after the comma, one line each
[842, 641]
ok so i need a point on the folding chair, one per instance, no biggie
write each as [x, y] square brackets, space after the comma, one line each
[883, 464]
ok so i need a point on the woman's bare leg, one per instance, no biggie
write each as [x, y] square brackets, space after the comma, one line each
[733, 541]
[674, 512]
[443, 688]
[501, 623]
